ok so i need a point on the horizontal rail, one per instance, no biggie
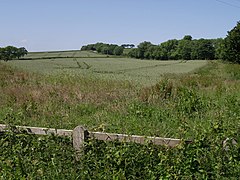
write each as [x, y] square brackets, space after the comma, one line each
[85, 134]
[39, 130]
[134, 138]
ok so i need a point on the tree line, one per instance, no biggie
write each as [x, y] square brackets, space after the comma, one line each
[227, 48]
[11, 52]
[186, 49]
[109, 49]
[231, 45]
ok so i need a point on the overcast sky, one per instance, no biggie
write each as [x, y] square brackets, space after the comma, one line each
[45, 25]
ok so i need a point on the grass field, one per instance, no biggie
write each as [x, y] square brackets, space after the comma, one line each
[141, 71]
[63, 54]
[200, 101]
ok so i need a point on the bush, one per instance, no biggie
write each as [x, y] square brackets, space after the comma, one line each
[26, 156]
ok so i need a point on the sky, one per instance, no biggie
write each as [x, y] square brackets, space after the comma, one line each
[48, 25]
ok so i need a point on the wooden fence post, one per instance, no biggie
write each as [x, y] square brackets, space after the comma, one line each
[80, 134]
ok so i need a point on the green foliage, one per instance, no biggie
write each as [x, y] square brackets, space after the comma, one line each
[109, 49]
[21, 52]
[142, 50]
[35, 157]
[203, 49]
[118, 50]
[8, 53]
[232, 45]
[51, 157]
[219, 48]
[185, 48]
[189, 102]
[11, 52]
[187, 37]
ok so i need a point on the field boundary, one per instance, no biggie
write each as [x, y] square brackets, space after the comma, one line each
[80, 134]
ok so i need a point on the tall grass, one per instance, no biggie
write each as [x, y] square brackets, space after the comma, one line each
[203, 106]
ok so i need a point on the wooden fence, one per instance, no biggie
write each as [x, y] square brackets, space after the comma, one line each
[79, 134]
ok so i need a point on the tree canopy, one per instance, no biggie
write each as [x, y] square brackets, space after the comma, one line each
[186, 48]
[109, 49]
[232, 45]
[11, 52]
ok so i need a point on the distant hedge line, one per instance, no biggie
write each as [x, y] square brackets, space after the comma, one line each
[186, 48]
[109, 49]
[174, 49]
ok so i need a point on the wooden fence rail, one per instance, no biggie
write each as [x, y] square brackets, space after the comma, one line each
[79, 134]
[38, 130]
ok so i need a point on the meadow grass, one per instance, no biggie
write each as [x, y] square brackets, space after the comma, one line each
[202, 105]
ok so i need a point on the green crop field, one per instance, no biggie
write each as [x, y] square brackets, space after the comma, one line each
[62, 54]
[141, 71]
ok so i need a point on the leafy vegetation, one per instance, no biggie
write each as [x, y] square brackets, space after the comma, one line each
[11, 52]
[186, 49]
[232, 45]
[109, 49]
[203, 106]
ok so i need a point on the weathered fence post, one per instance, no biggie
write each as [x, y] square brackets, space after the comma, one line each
[80, 134]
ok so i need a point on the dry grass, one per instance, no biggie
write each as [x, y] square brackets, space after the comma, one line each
[21, 87]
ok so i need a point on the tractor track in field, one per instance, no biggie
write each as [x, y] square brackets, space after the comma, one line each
[135, 69]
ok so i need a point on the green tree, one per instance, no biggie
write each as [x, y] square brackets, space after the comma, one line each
[159, 53]
[105, 50]
[187, 37]
[21, 52]
[98, 47]
[219, 47]
[169, 48]
[184, 48]
[149, 54]
[203, 49]
[133, 53]
[118, 50]
[111, 48]
[232, 45]
[8, 53]
[143, 48]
